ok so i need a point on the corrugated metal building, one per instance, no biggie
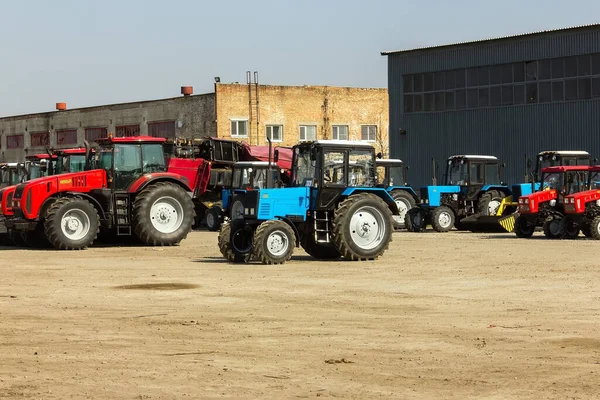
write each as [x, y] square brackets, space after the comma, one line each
[509, 97]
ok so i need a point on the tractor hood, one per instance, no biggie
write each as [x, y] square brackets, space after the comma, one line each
[530, 204]
[575, 203]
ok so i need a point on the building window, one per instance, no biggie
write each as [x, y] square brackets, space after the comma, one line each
[339, 132]
[93, 134]
[573, 78]
[308, 132]
[163, 129]
[66, 136]
[15, 141]
[275, 132]
[239, 128]
[40, 139]
[127, 130]
[368, 133]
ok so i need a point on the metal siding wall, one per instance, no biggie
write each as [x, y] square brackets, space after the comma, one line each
[509, 132]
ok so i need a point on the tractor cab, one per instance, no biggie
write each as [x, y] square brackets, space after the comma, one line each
[392, 175]
[12, 173]
[547, 159]
[332, 208]
[472, 171]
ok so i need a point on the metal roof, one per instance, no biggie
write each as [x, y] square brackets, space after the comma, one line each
[384, 161]
[564, 152]
[473, 156]
[342, 143]
[482, 41]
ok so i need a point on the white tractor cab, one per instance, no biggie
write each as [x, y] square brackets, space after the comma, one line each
[12, 174]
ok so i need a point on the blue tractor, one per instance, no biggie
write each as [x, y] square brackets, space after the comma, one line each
[392, 175]
[472, 187]
[246, 175]
[332, 208]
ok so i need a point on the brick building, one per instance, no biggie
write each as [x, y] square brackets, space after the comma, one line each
[239, 111]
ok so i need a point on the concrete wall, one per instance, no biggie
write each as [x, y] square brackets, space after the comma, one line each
[192, 115]
[292, 106]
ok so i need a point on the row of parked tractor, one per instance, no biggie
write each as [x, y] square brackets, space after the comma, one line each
[333, 198]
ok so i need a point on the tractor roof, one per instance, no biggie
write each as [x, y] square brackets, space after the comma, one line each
[78, 151]
[389, 161]
[41, 156]
[246, 164]
[474, 157]
[566, 168]
[339, 143]
[564, 153]
[131, 139]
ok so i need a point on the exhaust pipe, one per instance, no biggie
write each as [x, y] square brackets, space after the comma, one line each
[269, 170]
[88, 153]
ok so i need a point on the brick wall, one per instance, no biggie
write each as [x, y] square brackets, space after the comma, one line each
[293, 106]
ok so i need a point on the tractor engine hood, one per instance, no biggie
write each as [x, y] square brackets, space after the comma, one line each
[30, 196]
[575, 203]
[530, 204]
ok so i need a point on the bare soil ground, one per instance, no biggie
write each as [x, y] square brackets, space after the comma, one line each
[455, 315]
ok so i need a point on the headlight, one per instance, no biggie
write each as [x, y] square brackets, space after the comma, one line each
[520, 201]
[552, 203]
[426, 201]
[526, 201]
[455, 197]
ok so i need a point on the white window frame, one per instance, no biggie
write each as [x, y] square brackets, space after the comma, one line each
[335, 131]
[237, 121]
[269, 132]
[361, 133]
[305, 137]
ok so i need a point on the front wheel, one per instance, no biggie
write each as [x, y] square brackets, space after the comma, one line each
[362, 227]
[405, 202]
[415, 220]
[274, 242]
[442, 219]
[71, 223]
[569, 228]
[523, 228]
[225, 248]
[163, 214]
[552, 227]
[213, 218]
[595, 228]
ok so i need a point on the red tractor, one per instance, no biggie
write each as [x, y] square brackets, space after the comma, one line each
[582, 211]
[130, 193]
[546, 207]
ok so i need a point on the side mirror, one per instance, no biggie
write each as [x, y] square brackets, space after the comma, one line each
[529, 163]
[313, 154]
[408, 167]
[379, 155]
[595, 161]
[503, 165]
[276, 155]
[43, 167]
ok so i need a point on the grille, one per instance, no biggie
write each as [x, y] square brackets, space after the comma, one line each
[265, 209]
[79, 181]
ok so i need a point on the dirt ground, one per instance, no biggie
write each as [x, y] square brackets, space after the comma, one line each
[455, 315]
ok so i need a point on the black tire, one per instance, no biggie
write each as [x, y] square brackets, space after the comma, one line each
[483, 206]
[586, 230]
[569, 228]
[36, 239]
[374, 212]
[442, 219]
[320, 251]
[415, 220]
[82, 212]
[552, 227]
[595, 228]
[274, 242]
[405, 202]
[236, 211]
[213, 218]
[523, 228]
[175, 201]
[225, 246]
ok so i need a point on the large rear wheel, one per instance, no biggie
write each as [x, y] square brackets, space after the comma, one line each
[595, 228]
[442, 219]
[362, 227]
[405, 202]
[71, 223]
[489, 202]
[163, 214]
[274, 242]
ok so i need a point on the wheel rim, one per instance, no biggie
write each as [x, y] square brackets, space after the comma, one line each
[598, 228]
[210, 220]
[402, 210]
[367, 228]
[277, 243]
[445, 219]
[493, 207]
[75, 224]
[166, 214]
[237, 210]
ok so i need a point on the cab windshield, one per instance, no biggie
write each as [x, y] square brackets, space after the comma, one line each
[105, 158]
[35, 170]
[458, 172]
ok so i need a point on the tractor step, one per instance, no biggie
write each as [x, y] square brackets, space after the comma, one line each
[322, 228]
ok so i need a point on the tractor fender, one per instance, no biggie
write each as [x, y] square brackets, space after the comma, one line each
[294, 228]
[406, 189]
[380, 192]
[504, 189]
[145, 180]
[48, 202]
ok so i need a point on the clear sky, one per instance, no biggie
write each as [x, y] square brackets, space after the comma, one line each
[87, 52]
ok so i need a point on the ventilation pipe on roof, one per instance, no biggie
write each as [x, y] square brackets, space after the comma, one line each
[61, 106]
[187, 90]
